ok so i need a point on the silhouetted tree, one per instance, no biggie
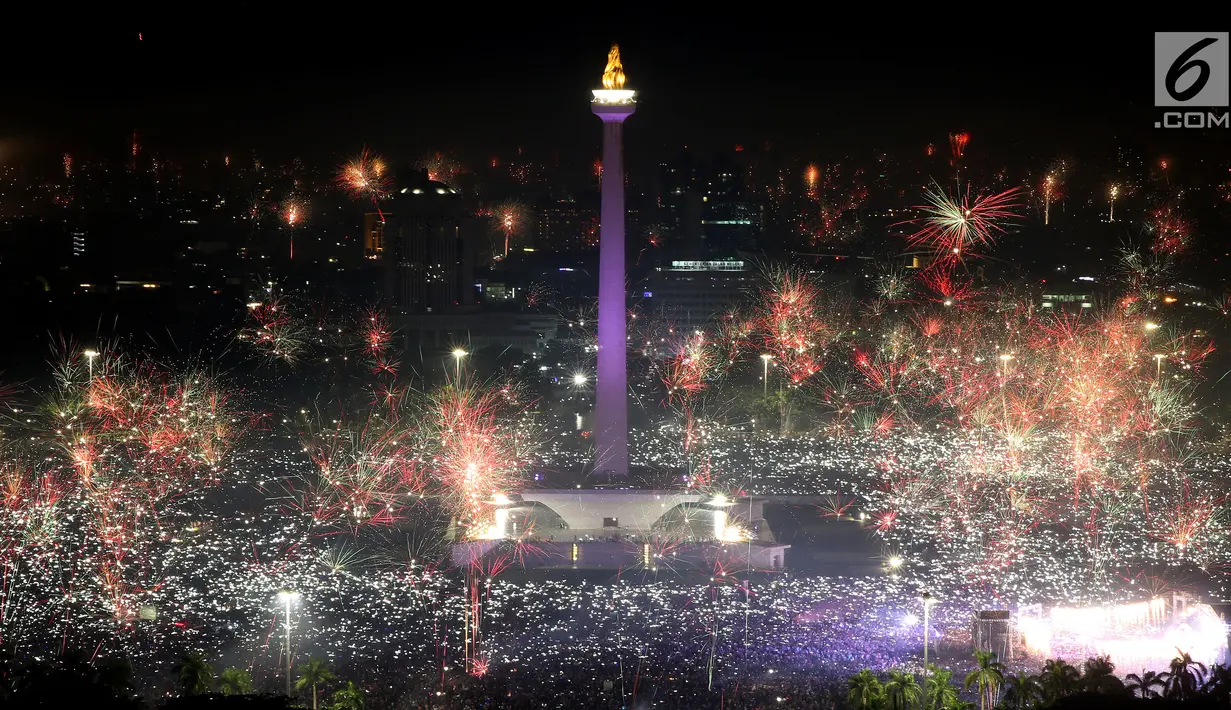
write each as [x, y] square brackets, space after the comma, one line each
[864, 691]
[939, 691]
[1144, 685]
[71, 682]
[1021, 691]
[235, 681]
[1099, 676]
[348, 697]
[1058, 680]
[1185, 677]
[312, 674]
[194, 674]
[902, 691]
[987, 675]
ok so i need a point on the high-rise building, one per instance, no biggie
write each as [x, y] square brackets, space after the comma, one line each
[613, 104]
[727, 225]
[429, 248]
[694, 294]
[374, 235]
[566, 226]
[704, 205]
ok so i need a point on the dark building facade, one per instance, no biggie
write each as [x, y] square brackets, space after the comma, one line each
[429, 249]
[567, 226]
[693, 294]
[704, 204]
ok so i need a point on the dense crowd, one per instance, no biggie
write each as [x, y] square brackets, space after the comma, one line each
[379, 605]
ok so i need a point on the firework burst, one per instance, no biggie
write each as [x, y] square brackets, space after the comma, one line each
[509, 220]
[366, 176]
[951, 229]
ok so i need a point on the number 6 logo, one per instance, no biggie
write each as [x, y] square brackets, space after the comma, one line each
[1183, 64]
[1191, 69]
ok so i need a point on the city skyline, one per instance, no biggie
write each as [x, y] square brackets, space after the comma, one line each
[438, 392]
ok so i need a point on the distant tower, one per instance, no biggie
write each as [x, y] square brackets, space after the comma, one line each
[612, 103]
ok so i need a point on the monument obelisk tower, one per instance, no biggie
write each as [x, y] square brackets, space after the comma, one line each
[612, 103]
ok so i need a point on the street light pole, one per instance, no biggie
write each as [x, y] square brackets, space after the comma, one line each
[89, 358]
[458, 354]
[927, 605]
[287, 596]
[765, 374]
[288, 645]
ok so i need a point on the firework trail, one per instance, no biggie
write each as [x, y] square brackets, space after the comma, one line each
[1171, 232]
[441, 168]
[957, 145]
[686, 376]
[104, 458]
[790, 323]
[294, 214]
[509, 219]
[1051, 187]
[275, 331]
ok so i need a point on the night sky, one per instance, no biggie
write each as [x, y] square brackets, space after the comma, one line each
[479, 85]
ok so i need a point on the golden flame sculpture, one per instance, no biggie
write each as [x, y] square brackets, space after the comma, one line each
[613, 75]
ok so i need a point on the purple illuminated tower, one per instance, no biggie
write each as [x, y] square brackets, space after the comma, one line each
[612, 103]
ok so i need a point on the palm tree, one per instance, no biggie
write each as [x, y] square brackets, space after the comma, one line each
[1218, 684]
[988, 675]
[1099, 676]
[348, 697]
[1021, 691]
[312, 674]
[1144, 685]
[1058, 680]
[194, 674]
[938, 689]
[235, 681]
[1185, 677]
[864, 691]
[902, 690]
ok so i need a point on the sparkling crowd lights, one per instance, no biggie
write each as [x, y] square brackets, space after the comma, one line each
[93, 471]
[995, 452]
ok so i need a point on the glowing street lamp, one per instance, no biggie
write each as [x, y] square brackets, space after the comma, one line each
[895, 562]
[89, 358]
[1005, 359]
[458, 354]
[580, 380]
[288, 597]
[928, 601]
[765, 374]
